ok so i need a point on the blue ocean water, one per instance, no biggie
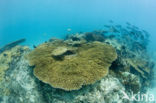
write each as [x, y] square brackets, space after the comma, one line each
[39, 20]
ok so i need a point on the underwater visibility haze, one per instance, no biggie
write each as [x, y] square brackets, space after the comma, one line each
[77, 51]
[52, 18]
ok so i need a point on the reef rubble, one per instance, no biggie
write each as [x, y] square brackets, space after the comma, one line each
[90, 67]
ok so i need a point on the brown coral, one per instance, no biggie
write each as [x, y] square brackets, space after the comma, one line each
[88, 64]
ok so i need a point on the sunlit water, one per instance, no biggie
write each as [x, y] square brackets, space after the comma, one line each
[39, 20]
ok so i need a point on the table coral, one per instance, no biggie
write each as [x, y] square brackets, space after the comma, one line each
[87, 65]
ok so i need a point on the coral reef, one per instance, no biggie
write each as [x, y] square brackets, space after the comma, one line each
[19, 85]
[107, 90]
[130, 81]
[75, 70]
[6, 57]
[59, 51]
[86, 65]
[75, 40]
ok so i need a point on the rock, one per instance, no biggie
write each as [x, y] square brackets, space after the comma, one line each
[19, 85]
[7, 56]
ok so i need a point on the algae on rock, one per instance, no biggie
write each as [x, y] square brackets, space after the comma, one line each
[19, 85]
[6, 58]
[86, 65]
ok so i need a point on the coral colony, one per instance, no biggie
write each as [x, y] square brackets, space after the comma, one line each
[67, 67]
[103, 66]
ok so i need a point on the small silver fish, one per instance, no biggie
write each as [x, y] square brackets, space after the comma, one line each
[69, 29]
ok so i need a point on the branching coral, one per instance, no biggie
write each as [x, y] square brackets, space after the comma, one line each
[141, 66]
[84, 66]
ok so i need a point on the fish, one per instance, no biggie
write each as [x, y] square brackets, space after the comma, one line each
[135, 27]
[142, 37]
[128, 23]
[111, 21]
[118, 26]
[146, 33]
[34, 46]
[112, 36]
[69, 29]
[104, 32]
[113, 29]
[124, 30]
[11, 45]
[107, 26]
[129, 27]
[138, 33]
